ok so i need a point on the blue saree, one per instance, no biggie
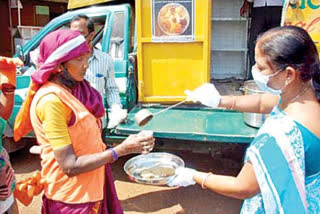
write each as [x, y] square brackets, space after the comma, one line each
[285, 157]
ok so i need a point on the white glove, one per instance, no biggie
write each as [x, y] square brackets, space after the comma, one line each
[184, 177]
[116, 116]
[206, 94]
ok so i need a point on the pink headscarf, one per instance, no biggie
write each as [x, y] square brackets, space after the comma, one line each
[58, 47]
[55, 48]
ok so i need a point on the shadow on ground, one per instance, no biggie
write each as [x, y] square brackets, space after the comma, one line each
[23, 162]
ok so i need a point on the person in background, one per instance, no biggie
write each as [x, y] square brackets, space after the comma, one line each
[281, 172]
[7, 87]
[100, 73]
[65, 112]
[266, 14]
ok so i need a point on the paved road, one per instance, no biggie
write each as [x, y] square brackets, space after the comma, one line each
[137, 199]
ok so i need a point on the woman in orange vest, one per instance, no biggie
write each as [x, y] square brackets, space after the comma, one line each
[65, 115]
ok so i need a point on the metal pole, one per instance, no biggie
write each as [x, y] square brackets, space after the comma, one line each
[19, 19]
[179, 103]
[10, 25]
[284, 11]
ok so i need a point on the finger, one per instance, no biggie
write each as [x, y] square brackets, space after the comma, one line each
[147, 147]
[132, 136]
[191, 96]
[144, 152]
[188, 92]
[148, 143]
[144, 143]
[146, 138]
[151, 144]
[151, 148]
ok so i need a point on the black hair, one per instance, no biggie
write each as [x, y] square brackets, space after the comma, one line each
[90, 24]
[292, 46]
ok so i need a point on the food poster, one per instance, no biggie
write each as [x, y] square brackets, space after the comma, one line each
[172, 20]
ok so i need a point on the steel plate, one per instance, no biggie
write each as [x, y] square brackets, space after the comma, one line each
[153, 161]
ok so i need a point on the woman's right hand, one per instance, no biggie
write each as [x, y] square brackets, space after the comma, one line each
[206, 94]
[136, 143]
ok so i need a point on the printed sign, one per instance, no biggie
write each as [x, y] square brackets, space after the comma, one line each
[305, 14]
[172, 20]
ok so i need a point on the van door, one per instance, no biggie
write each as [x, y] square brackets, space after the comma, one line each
[117, 42]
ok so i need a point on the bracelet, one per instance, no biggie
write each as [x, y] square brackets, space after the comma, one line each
[114, 154]
[203, 184]
[233, 104]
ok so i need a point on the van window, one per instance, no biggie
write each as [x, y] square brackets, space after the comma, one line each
[116, 47]
[99, 23]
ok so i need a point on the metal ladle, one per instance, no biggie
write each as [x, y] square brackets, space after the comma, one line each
[143, 116]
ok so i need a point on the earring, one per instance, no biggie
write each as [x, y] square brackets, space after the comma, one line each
[286, 82]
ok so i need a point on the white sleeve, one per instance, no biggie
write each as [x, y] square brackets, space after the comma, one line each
[112, 91]
[294, 1]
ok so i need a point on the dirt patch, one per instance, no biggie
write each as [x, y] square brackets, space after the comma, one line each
[137, 198]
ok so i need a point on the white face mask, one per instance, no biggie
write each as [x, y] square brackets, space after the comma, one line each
[262, 81]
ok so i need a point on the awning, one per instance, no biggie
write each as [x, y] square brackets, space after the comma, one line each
[58, 1]
[76, 3]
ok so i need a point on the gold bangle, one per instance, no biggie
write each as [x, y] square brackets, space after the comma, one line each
[203, 184]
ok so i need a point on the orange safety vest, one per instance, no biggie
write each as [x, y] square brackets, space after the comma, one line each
[86, 139]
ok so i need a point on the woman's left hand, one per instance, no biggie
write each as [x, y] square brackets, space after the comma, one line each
[184, 177]
[136, 143]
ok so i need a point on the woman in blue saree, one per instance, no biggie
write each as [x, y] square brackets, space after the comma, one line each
[281, 172]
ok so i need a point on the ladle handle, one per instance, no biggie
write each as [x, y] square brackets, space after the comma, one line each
[179, 103]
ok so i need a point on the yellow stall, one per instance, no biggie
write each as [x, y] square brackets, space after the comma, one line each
[173, 40]
[179, 45]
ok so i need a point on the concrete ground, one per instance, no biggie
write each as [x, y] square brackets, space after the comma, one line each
[137, 198]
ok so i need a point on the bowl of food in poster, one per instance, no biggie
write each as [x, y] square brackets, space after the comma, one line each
[156, 168]
[173, 19]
